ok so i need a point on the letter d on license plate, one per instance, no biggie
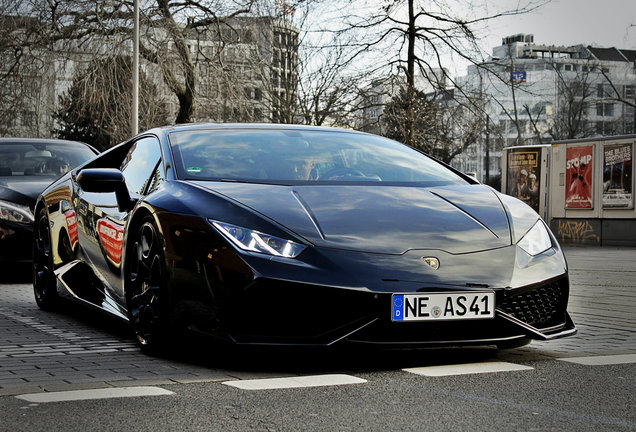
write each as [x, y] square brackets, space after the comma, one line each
[443, 306]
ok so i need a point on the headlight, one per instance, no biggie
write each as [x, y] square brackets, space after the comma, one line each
[13, 212]
[536, 240]
[254, 241]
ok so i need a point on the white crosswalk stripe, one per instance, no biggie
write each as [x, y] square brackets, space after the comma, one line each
[103, 393]
[295, 382]
[601, 360]
[466, 369]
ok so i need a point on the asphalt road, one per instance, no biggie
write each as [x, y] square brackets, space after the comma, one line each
[586, 382]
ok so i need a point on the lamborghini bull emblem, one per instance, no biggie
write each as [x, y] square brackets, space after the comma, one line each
[432, 262]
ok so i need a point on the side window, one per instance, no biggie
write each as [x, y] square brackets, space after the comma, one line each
[156, 179]
[141, 165]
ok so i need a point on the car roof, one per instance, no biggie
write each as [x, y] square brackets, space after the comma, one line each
[9, 141]
[38, 141]
[247, 126]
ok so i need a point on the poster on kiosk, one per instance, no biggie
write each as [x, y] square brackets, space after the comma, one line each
[617, 176]
[523, 175]
[578, 174]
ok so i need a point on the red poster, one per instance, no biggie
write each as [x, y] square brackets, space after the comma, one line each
[111, 236]
[71, 224]
[578, 174]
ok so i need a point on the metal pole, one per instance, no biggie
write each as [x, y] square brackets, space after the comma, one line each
[487, 149]
[135, 101]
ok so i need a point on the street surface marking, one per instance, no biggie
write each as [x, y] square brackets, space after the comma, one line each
[107, 393]
[467, 368]
[295, 382]
[602, 360]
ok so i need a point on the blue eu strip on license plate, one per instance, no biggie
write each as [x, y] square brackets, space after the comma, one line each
[443, 306]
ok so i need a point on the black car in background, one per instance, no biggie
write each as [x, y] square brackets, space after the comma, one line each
[27, 166]
[294, 235]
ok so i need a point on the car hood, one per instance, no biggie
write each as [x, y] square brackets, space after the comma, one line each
[379, 218]
[23, 189]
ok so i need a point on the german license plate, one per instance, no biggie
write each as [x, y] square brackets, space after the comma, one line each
[443, 306]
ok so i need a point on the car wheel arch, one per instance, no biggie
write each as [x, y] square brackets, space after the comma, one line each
[142, 217]
[38, 206]
[136, 220]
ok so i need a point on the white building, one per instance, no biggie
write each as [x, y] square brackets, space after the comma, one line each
[534, 93]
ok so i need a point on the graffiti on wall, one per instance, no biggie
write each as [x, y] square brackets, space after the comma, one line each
[577, 231]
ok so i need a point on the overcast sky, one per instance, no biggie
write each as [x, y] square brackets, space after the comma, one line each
[600, 23]
[603, 23]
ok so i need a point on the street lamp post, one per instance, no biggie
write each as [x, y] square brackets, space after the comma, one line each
[135, 95]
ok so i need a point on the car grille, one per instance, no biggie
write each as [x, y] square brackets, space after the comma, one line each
[540, 306]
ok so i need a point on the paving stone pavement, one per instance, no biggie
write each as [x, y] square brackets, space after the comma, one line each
[602, 305]
[71, 349]
[77, 348]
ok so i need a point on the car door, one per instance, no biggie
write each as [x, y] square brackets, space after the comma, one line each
[142, 169]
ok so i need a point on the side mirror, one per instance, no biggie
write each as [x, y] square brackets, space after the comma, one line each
[101, 180]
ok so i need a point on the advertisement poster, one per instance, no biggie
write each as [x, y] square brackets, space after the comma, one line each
[578, 174]
[617, 176]
[524, 174]
[111, 235]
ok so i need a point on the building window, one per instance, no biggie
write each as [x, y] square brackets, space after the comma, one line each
[605, 109]
[600, 92]
[276, 59]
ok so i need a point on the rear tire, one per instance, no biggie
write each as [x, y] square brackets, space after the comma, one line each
[44, 282]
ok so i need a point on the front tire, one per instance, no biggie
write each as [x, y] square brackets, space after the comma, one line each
[44, 283]
[146, 292]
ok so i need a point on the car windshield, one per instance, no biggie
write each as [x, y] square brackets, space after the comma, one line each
[41, 158]
[282, 156]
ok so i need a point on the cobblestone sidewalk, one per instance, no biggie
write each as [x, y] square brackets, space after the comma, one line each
[58, 351]
[602, 305]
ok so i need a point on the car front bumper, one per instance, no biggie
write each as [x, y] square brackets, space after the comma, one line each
[328, 296]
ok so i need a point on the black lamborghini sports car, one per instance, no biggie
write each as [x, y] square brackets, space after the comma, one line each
[294, 235]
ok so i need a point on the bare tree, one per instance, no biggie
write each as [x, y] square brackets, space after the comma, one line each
[320, 86]
[442, 128]
[417, 36]
[23, 68]
[237, 66]
[97, 106]
[327, 87]
[574, 100]
[534, 121]
[166, 38]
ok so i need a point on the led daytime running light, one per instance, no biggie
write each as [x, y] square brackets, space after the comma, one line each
[255, 241]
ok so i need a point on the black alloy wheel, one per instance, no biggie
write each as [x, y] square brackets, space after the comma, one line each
[145, 288]
[44, 284]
